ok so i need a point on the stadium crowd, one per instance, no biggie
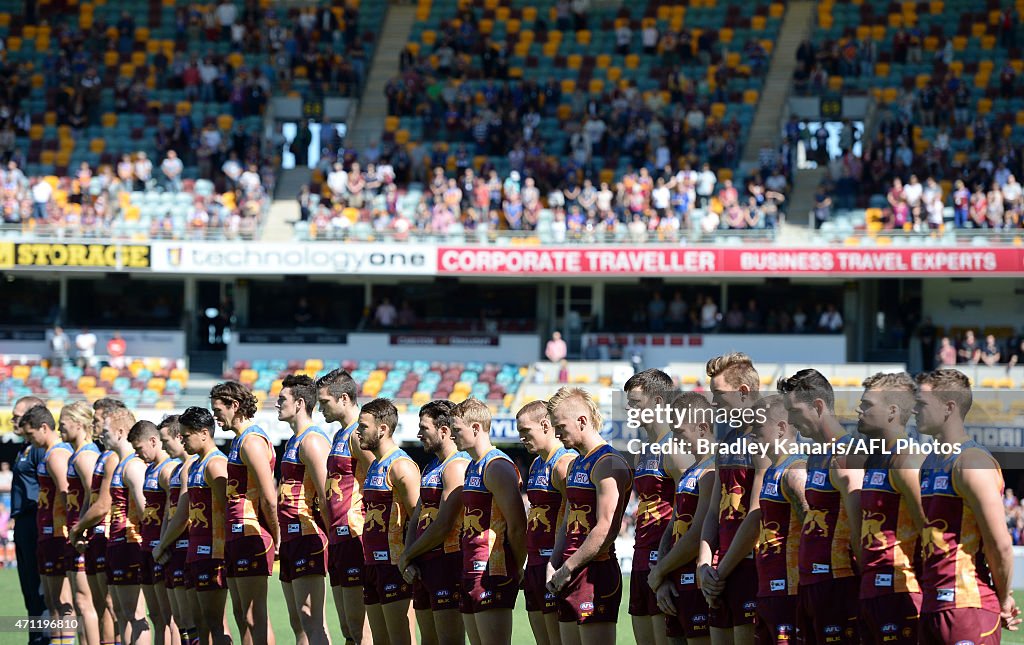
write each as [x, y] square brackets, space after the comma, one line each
[180, 520]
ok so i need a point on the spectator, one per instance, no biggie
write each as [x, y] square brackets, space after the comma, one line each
[990, 353]
[60, 347]
[563, 371]
[172, 169]
[822, 207]
[42, 191]
[116, 350]
[85, 344]
[556, 350]
[386, 314]
[6, 481]
[947, 353]
[406, 316]
[709, 316]
[1016, 355]
[677, 310]
[831, 321]
[656, 313]
[969, 351]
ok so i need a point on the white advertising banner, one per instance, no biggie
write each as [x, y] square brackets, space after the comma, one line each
[297, 258]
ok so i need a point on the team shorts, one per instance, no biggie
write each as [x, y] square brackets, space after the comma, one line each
[738, 604]
[304, 556]
[96, 555]
[437, 589]
[74, 562]
[50, 557]
[384, 584]
[691, 619]
[345, 563]
[643, 601]
[483, 592]
[538, 598]
[124, 563]
[892, 618]
[175, 569]
[593, 595]
[152, 571]
[205, 575]
[978, 626]
[828, 612]
[249, 556]
[776, 620]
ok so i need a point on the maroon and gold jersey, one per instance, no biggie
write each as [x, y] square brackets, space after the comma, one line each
[108, 459]
[76, 485]
[736, 476]
[242, 506]
[547, 506]
[655, 491]
[888, 538]
[825, 549]
[384, 528]
[181, 542]
[581, 501]
[51, 514]
[954, 574]
[779, 542]
[431, 492]
[205, 514]
[298, 511]
[125, 514]
[686, 500]
[344, 490]
[156, 498]
[485, 548]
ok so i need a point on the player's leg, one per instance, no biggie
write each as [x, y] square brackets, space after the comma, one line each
[310, 592]
[597, 633]
[743, 634]
[82, 600]
[551, 624]
[249, 606]
[293, 614]
[213, 604]
[396, 617]
[472, 629]
[449, 627]
[159, 614]
[378, 626]
[539, 626]
[494, 626]
[135, 627]
[569, 632]
[351, 612]
[428, 630]
[103, 606]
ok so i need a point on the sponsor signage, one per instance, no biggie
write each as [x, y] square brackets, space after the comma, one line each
[558, 261]
[320, 258]
[445, 339]
[293, 338]
[104, 257]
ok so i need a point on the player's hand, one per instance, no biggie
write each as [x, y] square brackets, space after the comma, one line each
[558, 580]
[1009, 614]
[655, 578]
[709, 582]
[411, 573]
[159, 554]
[665, 594]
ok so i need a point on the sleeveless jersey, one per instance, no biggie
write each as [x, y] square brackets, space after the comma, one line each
[581, 501]
[778, 546]
[686, 501]
[888, 538]
[344, 490]
[485, 548]
[384, 528]
[431, 491]
[736, 476]
[51, 513]
[124, 512]
[156, 497]
[547, 506]
[242, 505]
[825, 550]
[954, 573]
[298, 512]
[205, 514]
[181, 543]
[655, 491]
[76, 487]
[94, 489]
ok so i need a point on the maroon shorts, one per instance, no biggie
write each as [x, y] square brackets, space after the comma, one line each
[892, 618]
[304, 556]
[593, 595]
[483, 592]
[977, 626]
[205, 575]
[538, 598]
[437, 589]
[828, 612]
[384, 584]
[691, 619]
[642, 599]
[776, 620]
[738, 604]
[96, 555]
[152, 571]
[175, 569]
[124, 563]
[74, 562]
[345, 563]
[50, 557]
[249, 556]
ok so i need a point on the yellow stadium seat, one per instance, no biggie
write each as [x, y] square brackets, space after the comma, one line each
[248, 376]
[108, 374]
[391, 123]
[725, 34]
[29, 32]
[50, 118]
[428, 37]
[419, 399]
[935, 7]
[718, 111]
[895, 20]
[513, 25]
[164, 404]
[776, 10]
[514, 72]
[462, 386]
[179, 374]
[225, 121]
[14, 44]
[988, 43]
[86, 382]
[984, 106]
[95, 394]
[314, 364]
[596, 86]
[402, 137]
[632, 61]
[758, 23]
[568, 86]
[371, 388]
[529, 14]
[573, 61]
[157, 384]
[5, 20]
[614, 73]
[603, 61]
[564, 112]
[458, 397]
[550, 48]
[521, 49]
[750, 97]
[835, 83]
[22, 372]
[583, 36]
[732, 60]
[878, 32]
[502, 14]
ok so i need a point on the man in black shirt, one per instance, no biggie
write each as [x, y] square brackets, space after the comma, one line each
[24, 495]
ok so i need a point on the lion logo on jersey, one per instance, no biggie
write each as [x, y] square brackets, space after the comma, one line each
[815, 519]
[427, 516]
[538, 516]
[197, 515]
[232, 489]
[73, 501]
[576, 521]
[871, 529]
[374, 517]
[334, 486]
[769, 541]
[150, 515]
[647, 509]
[933, 540]
[679, 526]
[731, 507]
[471, 521]
[44, 498]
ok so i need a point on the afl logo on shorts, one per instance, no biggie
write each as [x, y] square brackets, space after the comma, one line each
[700, 619]
[586, 606]
[353, 571]
[889, 628]
[443, 593]
[390, 587]
[242, 563]
[300, 562]
[486, 594]
[204, 576]
[833, 629]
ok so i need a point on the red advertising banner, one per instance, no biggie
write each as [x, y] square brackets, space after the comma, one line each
[662, 261]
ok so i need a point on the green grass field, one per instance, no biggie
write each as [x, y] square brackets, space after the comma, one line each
[10, 605]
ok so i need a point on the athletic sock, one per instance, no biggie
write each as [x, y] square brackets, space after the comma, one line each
[189, 636]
